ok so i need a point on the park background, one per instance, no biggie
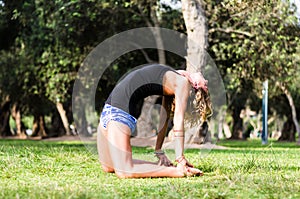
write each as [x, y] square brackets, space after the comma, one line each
[43, 44]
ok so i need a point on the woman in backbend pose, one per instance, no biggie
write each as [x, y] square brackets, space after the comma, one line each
[119, 116]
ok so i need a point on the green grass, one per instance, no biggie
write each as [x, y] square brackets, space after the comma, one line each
[38, 169]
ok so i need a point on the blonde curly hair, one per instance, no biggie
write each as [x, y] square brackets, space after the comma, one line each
[199, 108]
[203, 105]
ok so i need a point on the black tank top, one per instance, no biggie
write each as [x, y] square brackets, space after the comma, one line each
[130, 92]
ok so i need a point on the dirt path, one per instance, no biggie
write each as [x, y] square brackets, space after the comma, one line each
[139, 142]
[150, 142]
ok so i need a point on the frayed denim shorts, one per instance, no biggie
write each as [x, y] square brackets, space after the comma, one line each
[112, 113]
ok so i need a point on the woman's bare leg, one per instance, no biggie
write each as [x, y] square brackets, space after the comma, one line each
[136, 161]
[103, 150]
[121, 155]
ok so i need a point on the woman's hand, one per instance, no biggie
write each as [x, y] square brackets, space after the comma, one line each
[198, 81]
[163, 160]
[181, 160]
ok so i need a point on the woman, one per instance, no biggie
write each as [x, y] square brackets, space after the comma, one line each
[118, 121]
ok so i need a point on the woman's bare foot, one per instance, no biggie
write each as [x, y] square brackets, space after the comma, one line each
[189, 171]
[187, 168]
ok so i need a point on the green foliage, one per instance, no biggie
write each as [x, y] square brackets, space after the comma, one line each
[43, 44]
[28, 121]
[12, 123]
[254, 39]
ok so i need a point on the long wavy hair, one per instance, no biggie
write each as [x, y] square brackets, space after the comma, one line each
[203, 105]
[199, 108]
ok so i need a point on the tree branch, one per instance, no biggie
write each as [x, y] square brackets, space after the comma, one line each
[230, 30]
[148, 59]
[292, 106]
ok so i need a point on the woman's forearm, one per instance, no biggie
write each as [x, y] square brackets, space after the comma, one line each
[179, 146]
[160, 138]
[181, 97]
[162, 128]
[164, 120]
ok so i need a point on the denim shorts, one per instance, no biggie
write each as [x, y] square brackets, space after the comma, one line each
[112, 113]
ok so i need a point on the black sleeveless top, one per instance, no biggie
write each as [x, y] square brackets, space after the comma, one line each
[130, 92]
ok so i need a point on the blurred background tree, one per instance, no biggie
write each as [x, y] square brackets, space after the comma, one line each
[43, 44]
[252, 41]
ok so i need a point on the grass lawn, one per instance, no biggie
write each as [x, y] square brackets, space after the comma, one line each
[39, 169]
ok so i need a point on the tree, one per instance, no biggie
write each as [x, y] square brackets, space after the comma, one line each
[197, 34]
[253, 40]
[196, 27]
[148, 10]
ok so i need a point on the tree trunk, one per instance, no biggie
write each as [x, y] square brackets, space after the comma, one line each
[156, 32]
[237, 132]
[288, 131]
[223, 128]
[195, 22]
[144, 123]
[237, 105]
[57, 127]
[293, 108]
[4, 119]
[81, 124]
[39, 128]
[157, 36]
[63, 117]
[227, 131]
[16, 115]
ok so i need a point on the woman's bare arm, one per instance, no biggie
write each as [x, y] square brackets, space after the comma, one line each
[181, 96]
[162, 130]
[163, 123]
